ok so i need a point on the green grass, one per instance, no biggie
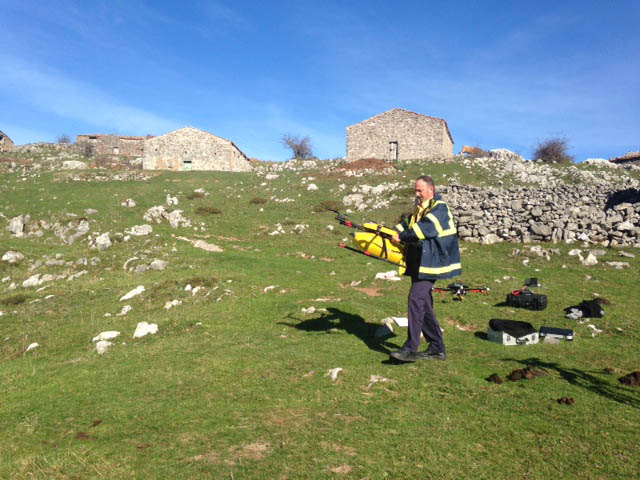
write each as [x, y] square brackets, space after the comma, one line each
[234, 383]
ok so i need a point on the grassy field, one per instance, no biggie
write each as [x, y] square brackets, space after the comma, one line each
[235, 384]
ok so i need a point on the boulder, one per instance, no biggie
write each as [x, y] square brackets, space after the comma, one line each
[12, 258]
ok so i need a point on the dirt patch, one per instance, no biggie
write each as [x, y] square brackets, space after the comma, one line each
[373, 164]
[369, 291]
[253, 451]
[344, 468]
[209, 458]
[528, 373]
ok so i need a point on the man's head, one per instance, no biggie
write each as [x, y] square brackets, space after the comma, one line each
[425, 189]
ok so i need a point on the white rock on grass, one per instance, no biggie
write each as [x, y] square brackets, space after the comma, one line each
[333, 373]
[373, 379]
[76, 275]
[73, 165]
[136, 291]
[129, 203]
[145, 328]
[312, 187]
[32, 346]
[590, 260]
[126, 309]
[158, 264]
[32, 281]
[102, 346]
[309, 310]
[108, 335]
[391, 275]
[208, 247]
[172, 303]
[103, 241]
[172, 200]
[16, 225]
[140, 230]
[155, 214]
[176, 219]
[618, 265]
[12, 258]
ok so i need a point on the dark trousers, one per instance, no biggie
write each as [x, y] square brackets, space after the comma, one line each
[422, 318]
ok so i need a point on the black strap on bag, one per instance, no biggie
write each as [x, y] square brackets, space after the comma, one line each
[514, 328]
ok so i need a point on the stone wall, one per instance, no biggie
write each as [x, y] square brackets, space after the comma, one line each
[399, 135]
[193, 149]
[46, 148]
[6, 145]
[111, 145]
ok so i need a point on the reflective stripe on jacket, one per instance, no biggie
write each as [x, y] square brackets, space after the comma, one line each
[431, 236]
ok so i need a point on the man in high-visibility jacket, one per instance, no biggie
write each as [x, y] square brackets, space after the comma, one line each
[431, 239]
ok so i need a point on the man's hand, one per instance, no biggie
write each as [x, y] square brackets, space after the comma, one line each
[396, 239]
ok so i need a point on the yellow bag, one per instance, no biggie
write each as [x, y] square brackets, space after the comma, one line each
[372, 243]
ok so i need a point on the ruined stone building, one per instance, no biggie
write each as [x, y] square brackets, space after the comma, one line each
[111, 145]
[191, 149]
[6, 145]
[399, 135]
[631, 158]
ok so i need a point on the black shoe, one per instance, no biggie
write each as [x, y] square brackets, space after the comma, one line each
[403, 355]
[427, 355]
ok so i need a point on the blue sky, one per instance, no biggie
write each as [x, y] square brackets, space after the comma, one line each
[503, 74]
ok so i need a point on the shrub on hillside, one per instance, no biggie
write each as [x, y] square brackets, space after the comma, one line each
[64, 138]
[258, 201]
[553, 150]
[208, 210]
[194, 195]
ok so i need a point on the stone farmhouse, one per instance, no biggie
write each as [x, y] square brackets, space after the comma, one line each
[631, 158]
[6, 145]
[399, 135]
[111, 145]
[191, 149]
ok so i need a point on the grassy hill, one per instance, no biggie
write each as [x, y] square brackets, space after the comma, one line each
[234, 384]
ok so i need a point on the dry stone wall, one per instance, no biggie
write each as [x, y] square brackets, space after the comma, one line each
[193, 149]
[399, 135]
[111, 145]
[6, 144]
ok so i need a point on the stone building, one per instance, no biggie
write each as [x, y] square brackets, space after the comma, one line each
[6, 145]
[631, 158]
[192, 149]
[399, 135]
[111, 145]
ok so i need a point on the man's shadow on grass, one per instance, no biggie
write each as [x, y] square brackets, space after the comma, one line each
[350, 323]
[586, 380]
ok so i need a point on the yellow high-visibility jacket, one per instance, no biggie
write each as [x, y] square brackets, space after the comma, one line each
[432, 242]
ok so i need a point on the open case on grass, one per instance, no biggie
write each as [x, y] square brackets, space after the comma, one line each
[559, 333]
[511, 332]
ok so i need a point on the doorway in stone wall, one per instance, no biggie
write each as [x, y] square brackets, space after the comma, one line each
[186, 165]
[392, 151]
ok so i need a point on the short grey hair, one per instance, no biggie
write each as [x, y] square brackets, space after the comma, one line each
[428, 180]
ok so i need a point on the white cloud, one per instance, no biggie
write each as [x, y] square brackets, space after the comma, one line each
[53, 92]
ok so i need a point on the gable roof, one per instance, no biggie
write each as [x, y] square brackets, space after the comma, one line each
[201, 131]
[628, 157]
[407, 112]
[4, 135]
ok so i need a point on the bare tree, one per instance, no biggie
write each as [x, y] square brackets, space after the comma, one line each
[300, 147]
[553, 150]
[64, 138]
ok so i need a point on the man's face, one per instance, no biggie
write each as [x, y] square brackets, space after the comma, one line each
[423, 192]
